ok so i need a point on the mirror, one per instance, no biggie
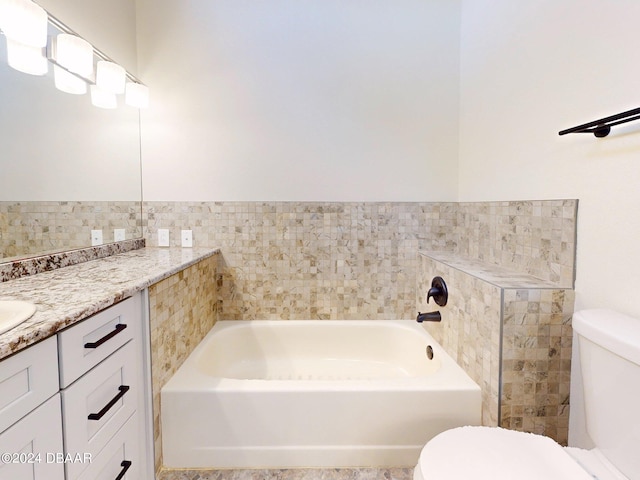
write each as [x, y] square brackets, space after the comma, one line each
[67, 168]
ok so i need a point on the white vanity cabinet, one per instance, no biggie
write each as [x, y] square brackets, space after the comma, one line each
[30, 415]
[81, 401]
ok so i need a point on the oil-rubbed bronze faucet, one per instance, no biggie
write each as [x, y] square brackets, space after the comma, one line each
[428, 317]
[438, 291]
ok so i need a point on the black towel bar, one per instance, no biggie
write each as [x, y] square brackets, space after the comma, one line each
[601, 128]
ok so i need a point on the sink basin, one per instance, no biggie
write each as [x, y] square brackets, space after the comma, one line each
[13, 313]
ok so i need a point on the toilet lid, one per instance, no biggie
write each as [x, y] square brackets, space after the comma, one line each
[490, 453]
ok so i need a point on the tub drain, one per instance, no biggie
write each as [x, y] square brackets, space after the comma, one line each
[429, 352]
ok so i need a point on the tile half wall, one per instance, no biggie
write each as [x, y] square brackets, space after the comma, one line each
[358, 260]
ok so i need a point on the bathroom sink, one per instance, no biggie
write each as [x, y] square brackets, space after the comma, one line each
[13, 313]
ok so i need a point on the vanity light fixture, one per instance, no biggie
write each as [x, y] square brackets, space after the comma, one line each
[103, 99]
[137, 95]
[74, 53]
[25, 25]
[110, 76]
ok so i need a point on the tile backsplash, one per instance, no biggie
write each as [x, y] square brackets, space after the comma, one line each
[302, 260]
[317, 259]
[358, 260]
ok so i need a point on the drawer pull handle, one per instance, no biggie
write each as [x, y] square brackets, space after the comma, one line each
[97, 416]
[125, 466]
[119, 327]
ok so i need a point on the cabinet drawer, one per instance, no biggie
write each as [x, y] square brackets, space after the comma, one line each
[97, 405]
[34, 443]
[89, 342]
[26, 380]
[122, 454]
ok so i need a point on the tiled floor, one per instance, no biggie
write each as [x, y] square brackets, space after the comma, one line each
[292, 474]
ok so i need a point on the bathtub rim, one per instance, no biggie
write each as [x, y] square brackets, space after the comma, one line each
[450, 375]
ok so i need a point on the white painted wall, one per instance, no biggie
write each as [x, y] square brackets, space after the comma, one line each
[531, 69]
[300, 100]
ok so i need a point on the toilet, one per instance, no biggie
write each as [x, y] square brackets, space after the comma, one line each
[605, 411]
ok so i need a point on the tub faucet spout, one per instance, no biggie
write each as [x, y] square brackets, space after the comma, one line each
[428, 317]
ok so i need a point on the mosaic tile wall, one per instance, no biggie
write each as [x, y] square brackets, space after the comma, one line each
[28, 228]
[470, 327]
[311, 260]
[534, 237]
[512, 334]
[317, 260]
[536, 361]
[182, 309]
[304, 260]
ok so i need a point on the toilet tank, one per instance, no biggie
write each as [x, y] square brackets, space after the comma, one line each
[609, 356]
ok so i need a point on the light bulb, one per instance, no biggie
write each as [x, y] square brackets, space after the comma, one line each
[74, 54]
[137, 95]
[23, 21]
[103, 99]
[110, 77]
[26, 58]
[68, 82]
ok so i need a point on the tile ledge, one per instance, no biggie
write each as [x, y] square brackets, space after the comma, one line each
[497, 275]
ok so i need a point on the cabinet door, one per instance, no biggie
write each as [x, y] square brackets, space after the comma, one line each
[32, 448]
[27, 379]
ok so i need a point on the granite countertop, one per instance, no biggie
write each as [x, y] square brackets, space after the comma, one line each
[70, 294]
[494, 274]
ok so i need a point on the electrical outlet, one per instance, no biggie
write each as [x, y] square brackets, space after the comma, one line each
[119, 234]
[96, 237]
[163, 237]
[187, 238]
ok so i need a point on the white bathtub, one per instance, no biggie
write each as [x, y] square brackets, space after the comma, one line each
[312, 394]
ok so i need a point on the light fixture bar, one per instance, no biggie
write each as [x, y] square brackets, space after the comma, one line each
[72, 56]
[97, 52]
